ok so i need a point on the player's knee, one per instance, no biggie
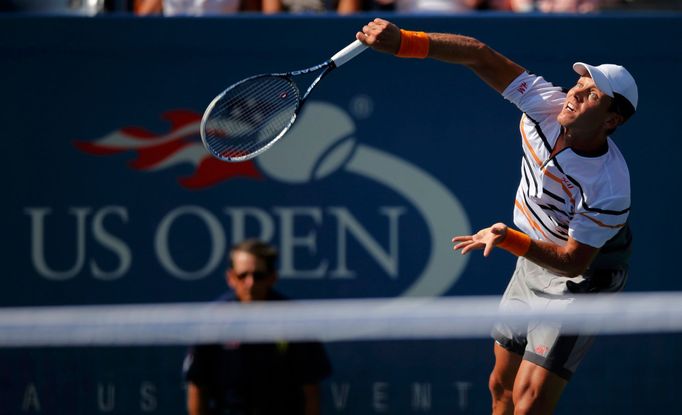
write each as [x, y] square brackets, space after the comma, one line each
[499, 389]
[529, 402]
[530, 409]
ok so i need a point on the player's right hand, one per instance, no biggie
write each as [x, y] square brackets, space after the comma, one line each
[381, 35]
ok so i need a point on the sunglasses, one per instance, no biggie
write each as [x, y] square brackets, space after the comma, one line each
[257, 275]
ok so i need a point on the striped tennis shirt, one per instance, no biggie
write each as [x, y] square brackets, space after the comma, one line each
[587, 198]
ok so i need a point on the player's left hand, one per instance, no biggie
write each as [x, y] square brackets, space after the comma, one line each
[485, 239]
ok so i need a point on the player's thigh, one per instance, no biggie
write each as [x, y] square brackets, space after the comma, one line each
[506, 366]
[536, 389]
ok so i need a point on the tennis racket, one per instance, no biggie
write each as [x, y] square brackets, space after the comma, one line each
[251, 115]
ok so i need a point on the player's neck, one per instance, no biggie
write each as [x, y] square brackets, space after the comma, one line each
[589, 144]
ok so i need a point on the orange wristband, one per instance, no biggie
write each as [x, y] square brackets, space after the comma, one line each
[515, 242]
[413, 44]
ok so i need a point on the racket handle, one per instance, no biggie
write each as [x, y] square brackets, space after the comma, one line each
[348, 53]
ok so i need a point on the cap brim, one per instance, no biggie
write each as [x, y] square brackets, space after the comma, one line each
[597, 76]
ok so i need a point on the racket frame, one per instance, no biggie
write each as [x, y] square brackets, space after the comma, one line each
[341, 57]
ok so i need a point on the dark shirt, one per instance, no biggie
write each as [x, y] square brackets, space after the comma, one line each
[256, 379]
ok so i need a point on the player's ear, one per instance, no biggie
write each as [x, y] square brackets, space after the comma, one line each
[613, 120]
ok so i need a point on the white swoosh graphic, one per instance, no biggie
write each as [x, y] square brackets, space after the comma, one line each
[443, 213]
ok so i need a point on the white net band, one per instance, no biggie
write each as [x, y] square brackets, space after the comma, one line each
[326, 320]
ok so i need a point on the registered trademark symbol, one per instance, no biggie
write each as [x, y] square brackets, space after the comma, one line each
[361, 106]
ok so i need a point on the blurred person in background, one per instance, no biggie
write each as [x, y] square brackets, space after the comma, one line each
[217, 7]
[194, 7]
[436, 6]
[254, 379]
[544, 6]
[378, 5]
[311, 6]
[147, 7]
[78, 7]
[567, 6]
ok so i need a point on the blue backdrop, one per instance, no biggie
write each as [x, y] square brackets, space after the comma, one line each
[111, 199]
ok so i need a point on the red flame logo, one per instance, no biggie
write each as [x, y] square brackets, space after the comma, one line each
[178, 146]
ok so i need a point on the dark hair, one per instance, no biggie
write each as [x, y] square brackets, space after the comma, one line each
[621, 106]
[259, 249]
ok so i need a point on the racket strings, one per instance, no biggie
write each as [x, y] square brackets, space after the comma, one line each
[238, 119]
[247, 108]
[250, 116]
[242, 110]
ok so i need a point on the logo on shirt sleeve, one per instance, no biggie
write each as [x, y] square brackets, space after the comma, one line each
[522, 88]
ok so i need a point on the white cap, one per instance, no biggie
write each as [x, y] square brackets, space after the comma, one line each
[611, 79]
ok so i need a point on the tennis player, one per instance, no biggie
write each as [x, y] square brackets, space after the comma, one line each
[571, 206]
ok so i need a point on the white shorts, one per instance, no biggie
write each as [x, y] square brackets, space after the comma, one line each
[535, 288]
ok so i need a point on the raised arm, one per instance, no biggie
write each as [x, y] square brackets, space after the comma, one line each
[492, 67]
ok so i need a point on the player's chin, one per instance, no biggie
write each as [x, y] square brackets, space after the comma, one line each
[565, 119]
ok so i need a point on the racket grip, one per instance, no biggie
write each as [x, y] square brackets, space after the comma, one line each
[348, 53]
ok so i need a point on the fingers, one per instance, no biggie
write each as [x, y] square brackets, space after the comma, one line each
[467, 244]
[488, 249]
[371, 31]
[471, 246]
[461, 245]
[381, 35]
[465, 241]
[484, 239]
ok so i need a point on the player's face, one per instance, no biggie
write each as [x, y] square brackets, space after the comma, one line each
[586, 108]
[249, 277]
